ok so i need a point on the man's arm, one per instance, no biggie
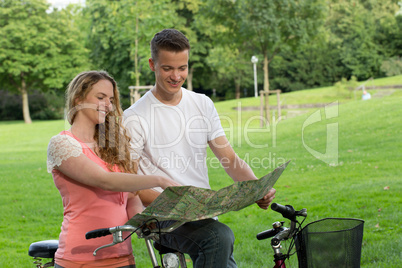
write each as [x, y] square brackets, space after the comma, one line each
[134, 205]
[235, 167]
[147, 196]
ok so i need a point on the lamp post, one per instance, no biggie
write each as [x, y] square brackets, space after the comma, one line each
[254, 60]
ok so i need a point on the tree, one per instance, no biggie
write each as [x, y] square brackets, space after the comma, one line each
[389, 35]
[266, 27]
[120, 33]
[314, 64]
[38, 50]
[352, 32]
[231, 67]
[357, 36]
[364, 32]
[229, 62]
[269, 26]
[199, 42]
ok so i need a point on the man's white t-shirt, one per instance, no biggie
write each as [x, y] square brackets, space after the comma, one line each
[172, 141]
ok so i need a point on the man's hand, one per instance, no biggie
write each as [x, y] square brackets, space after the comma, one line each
[267, 199]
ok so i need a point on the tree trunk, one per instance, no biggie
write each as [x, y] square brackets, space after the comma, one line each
[266, 87]
[25, 104]
[237, 88]
[190, 79]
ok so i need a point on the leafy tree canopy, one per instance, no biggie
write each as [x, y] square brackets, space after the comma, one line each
[38, 50]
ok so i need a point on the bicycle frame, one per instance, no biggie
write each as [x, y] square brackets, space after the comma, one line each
[279, 258]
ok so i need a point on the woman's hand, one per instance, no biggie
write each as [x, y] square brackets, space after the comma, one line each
[166, 182]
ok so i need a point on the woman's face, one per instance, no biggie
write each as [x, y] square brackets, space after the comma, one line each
[98, 102]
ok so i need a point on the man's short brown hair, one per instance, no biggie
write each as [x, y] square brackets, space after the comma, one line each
[170, 40]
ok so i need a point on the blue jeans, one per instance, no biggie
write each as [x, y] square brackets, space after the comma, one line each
[208, 242]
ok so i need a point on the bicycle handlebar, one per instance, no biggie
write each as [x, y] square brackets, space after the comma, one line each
[279, 231]
[268, 233]
[142, 232]
[97, 233]
[108, 231]
[287, 211]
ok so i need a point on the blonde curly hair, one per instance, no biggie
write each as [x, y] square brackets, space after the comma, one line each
[110, 136]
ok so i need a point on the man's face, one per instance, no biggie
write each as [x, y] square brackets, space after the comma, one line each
[171, 70]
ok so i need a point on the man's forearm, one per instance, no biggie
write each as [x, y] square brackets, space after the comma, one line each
[240, 171]
[147, 196]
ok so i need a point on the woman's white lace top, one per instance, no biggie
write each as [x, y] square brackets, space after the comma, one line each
[61, 147]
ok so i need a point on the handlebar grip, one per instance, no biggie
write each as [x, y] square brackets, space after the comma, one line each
[97, 233]
[286, 211]
[266, 234]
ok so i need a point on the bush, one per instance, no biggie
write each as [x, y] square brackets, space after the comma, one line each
[392, 66]
[344, 88]
[10, 106]
[42, 106]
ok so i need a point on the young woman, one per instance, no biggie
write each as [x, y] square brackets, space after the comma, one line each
[91, 167]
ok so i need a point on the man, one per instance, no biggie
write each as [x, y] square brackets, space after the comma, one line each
[170, 129]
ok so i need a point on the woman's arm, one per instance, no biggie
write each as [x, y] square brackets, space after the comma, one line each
[85, 171]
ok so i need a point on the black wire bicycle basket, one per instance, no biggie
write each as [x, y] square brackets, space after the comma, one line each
[330, 242]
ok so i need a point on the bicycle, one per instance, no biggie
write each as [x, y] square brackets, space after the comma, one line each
[329, 242]
[170, 258]
[345, 235]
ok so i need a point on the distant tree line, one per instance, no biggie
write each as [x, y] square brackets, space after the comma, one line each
[299, 44]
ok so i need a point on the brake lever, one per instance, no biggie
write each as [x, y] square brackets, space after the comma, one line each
[302, 212]
[117, 238]
[117, 233]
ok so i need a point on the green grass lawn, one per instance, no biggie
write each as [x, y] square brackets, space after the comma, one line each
[360, 179]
